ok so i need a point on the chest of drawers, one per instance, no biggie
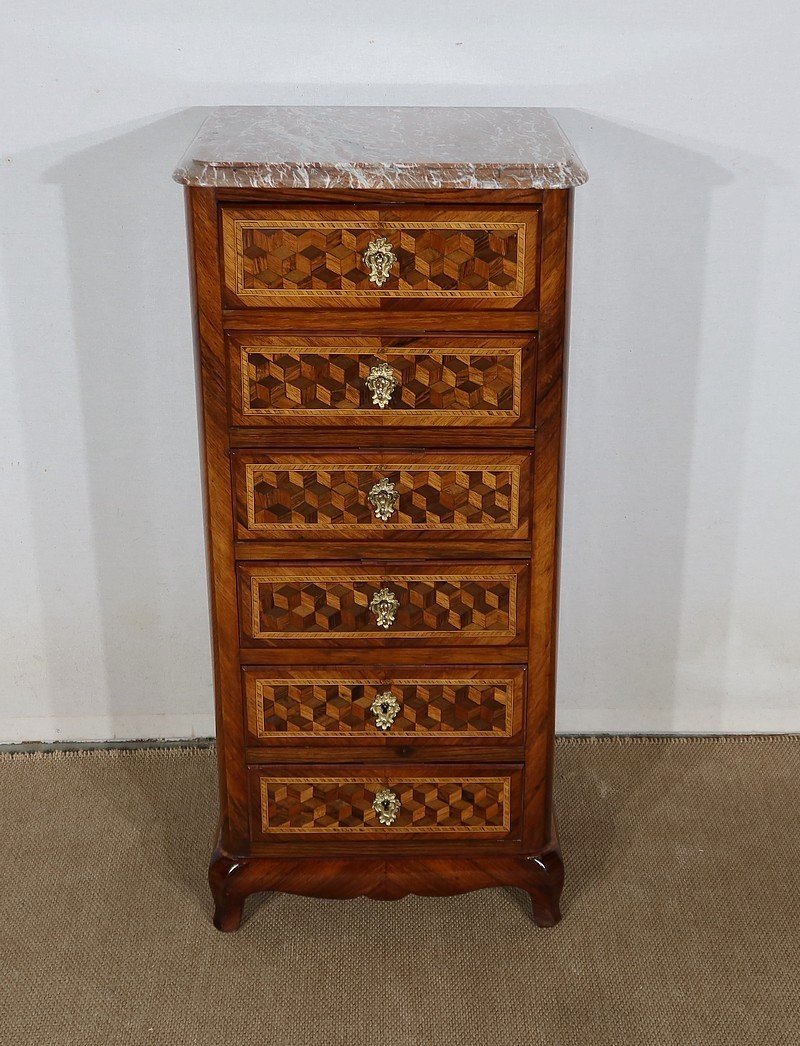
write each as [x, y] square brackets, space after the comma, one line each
[380, 304]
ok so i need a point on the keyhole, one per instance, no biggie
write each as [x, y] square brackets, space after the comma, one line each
[386, 804]
[385, 707]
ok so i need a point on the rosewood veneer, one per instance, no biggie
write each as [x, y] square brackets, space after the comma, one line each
[380, 301]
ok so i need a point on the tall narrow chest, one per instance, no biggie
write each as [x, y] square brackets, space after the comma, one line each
[380, 301]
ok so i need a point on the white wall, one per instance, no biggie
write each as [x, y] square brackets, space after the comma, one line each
[680, 608]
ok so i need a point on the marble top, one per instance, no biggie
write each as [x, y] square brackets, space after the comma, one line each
[366, 147]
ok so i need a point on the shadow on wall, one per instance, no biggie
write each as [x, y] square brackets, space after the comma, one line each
[635, 497]
[638, 291]
[131, 330]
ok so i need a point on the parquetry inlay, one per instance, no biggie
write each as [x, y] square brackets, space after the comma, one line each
[312, 497]
[434, 259]
[345, 805]
[341, 707]
[336, 604]
[437, 386]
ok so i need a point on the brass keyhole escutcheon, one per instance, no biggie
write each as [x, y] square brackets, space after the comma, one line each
[384, 605]
[381, 382]
[379, 257]
[386, 709]
[384, 498]
[386, 805]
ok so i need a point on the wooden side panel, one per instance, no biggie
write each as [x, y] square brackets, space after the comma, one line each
[546, 494]
[356, 495]
[320, 256]
[211, 371]
[407, 604]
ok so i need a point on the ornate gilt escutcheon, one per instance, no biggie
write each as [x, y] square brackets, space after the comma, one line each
[384, 498]
[379, 259]
[384, 605]
[386, 805]
[381, 382]
[385, 708]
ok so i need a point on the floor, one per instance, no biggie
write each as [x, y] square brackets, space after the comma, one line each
[681, 916]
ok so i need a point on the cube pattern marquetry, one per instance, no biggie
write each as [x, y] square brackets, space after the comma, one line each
[477, 383]
[461, 708]
[307, 497]
[433, 258]
[345, 805]
[381, 374]
[304, 607]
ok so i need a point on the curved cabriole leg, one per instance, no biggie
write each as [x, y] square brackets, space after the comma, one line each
[545, 879]
[226, 877]
[228, 915]
[233, 879]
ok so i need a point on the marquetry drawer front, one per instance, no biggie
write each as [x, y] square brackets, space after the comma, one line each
[383, 605]
[330, 256]
[381, 381]
[385, 802]
[335, 704]
[374, 495]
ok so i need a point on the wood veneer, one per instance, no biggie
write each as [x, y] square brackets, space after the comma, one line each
[444, 256]
[312, 803]
[324, 496]
[438, 604]
[327, 706]
[441, 381]
[282, 362]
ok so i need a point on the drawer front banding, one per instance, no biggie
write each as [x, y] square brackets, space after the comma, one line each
[481, 705]
[354, 495]
[385, 804]
[380, 303]
[442, 382]
[440, 605]
[326, 256]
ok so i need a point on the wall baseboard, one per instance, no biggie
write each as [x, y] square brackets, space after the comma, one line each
[33, 747]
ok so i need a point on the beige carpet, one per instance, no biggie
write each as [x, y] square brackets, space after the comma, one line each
[682, 916]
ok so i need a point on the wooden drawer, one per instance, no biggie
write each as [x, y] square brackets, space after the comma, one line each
[414, 801]
[298, 705]
[328, 496]
[482, 257]
[383, 605]
[381, 381]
